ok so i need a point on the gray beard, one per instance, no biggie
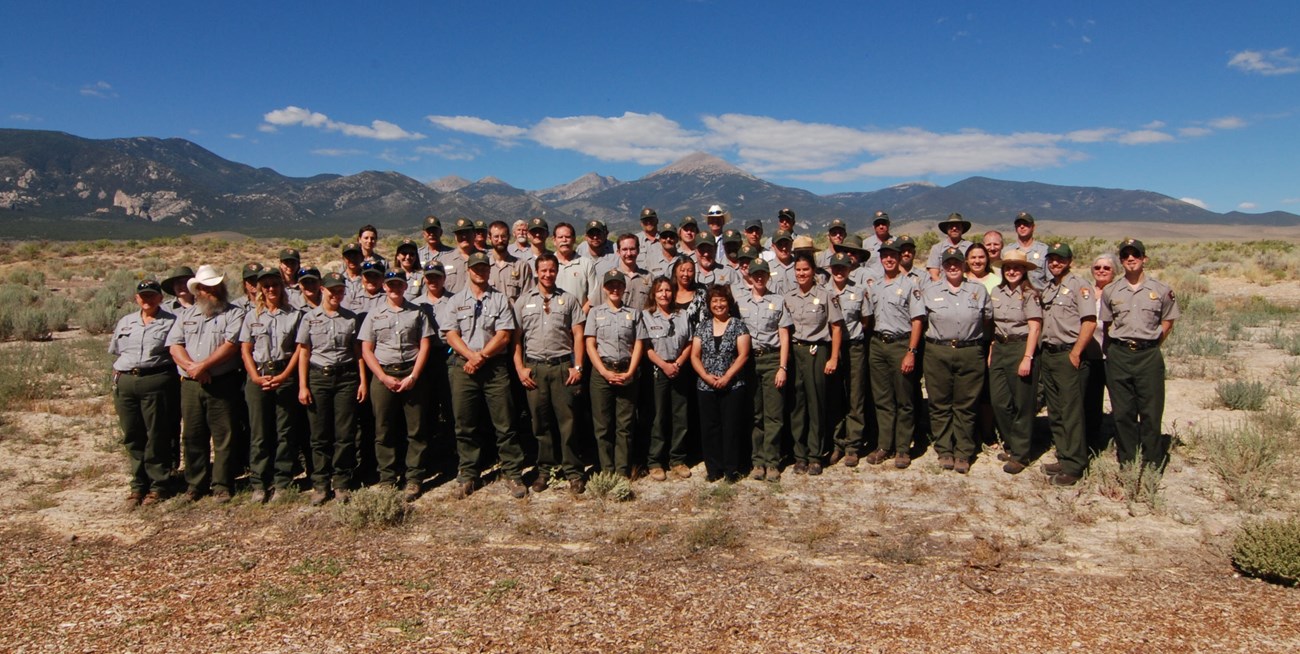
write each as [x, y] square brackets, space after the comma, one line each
[210, 306]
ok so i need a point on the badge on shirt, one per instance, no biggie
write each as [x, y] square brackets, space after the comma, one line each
[1035, 255]
[629, 316]
[1084, 293]
[1154, 296]
[1065, 290]
[771, 306]
[560, 301]
[817, 301]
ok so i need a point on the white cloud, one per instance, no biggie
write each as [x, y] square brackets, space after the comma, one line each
[269, 129]
[450, 151]
[1195, 202]
[1247, 206]
[24, 118]
[643, 138]
[1144, 137]
[336, 152]
[235, 135]
[1093, 135]
[100, 89]
[394, 157]
[479, 126]
[1271, 62]
[380, 130]
[1193, 132]
[1227, 122]
[1155, 124]
[1291, 201]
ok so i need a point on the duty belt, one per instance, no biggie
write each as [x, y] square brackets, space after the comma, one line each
[760, 351]
[615, 366]
[145, 372]
[1136, 344]
[551, 361]
[399, 369]
[803, 342]
[272, 367]
[334, 370]
[952, 342]
[891, 338]
[1012, 338]
[1054, 348]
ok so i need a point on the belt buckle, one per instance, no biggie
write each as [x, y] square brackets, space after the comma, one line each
[1133, 345]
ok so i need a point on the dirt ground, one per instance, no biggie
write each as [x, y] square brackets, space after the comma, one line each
[860, 559]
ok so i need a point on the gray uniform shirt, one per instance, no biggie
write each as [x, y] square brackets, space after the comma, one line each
[668, 335]
[478, 319]
[936, 251]
[428, 254]
[201, 335]
[138, 345]
[782, 280]
[1065, 305]
[720, 274]
[813, 313]
[396, 332]
[956, 313]
[615, 331]
[1036, 254]
[361, 302]
[657, 262]
[548, 334]
[764, 316]
[1012, 311]
[456, 266]
[1136, 313]
[852, 299]
[511, 276]
[438, 311]
[332, 339]
[638, 289]
[577, 276]
[272, 333]
[894, 303]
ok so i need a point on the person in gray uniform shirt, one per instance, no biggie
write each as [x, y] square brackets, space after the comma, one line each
[205, 345]
[709, 271]
[894, 356]
[309, 288]
[175, 285]
[351, 270]
[688, 231]
[769, 323]
[836, 232]
[851, 429]
[782, 263]
[817, 334]
[290, 260]
[597, 247]
[368, 239]
[668, 338]
[959, 324]
[538, 231]
[510, 274]
[370, 293]
[267, 344]
[549, 350]
[407, 260]
[1139, 313]
[436, 304]
[637, 288]
[480, 332]
[1035, 251]
[145, 393]
[250, 273]
[433, 247]
[456, 262]
[1013, 375]
[396, 338]
[520, 243]
[649, 236]
[659, 261]
[1069, 318]
[331, 383]
[615, 336]
[954, 229]
[577, 273]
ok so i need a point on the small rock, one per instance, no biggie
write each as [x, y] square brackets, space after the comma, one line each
[70, 538]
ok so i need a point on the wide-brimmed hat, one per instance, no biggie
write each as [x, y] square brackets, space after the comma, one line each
[804, 244]
[1018, 257]
[206, 276]
[180, 272]
[715, 211]
[955, 218]
[852, 243]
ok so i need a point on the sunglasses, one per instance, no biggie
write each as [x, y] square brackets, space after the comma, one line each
[1102, 268]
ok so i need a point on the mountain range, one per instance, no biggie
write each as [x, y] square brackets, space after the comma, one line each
[58, 184]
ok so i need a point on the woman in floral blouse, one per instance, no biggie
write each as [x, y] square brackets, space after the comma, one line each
[719, 350]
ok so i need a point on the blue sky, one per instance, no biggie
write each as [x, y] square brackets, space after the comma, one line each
[1196, 100]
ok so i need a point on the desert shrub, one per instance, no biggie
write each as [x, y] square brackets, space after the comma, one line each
[1195, 342]
[1134, 484]
[1288, 342]
[29, 372]
[715, 531]
[1242, 394]
[1245, 457]
[27, 277]
[374, 507]
[610, 485]
[100, 313]
[58, 309]
[16, 295]
[29, 324]
[1269, 550]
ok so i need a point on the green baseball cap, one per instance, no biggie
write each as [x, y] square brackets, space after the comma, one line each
[478, 258]
[731, 236]
[539, 223]
[614, 275]
[749, 252]
[1133, 244]
[1061, 250]
[596, 226]
[782, 235]
[431, 223]
[708, 240]
[462, 225]
[290, 254]
[689, 221]
[308, 273]
[952, 254]
[148, 286]
[1023, 217]
[252, 271]
[649, 214]
[759, 266]
[837, 224]
[841, 259]
[435, 269]
[333, 280]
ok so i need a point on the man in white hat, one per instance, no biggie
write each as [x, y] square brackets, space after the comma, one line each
[204, 341]
[716, 218]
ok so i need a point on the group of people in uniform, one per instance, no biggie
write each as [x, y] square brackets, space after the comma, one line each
[639, 355]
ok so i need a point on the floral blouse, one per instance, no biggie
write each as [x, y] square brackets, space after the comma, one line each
[717, 353]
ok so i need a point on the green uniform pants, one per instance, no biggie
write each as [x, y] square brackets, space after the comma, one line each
[953, 379]
[769, 409]
[808, 415]
[1014, 398]
[551, 406]
[148, 420]
[484, 397]
[1136, 382]
[848, 399]
[398, 426]
[208, 411]
[668, 431]
[1094, 394]
[1063, 390]
[613, 411]
[892, 393]
[332, 416]
[274, 419]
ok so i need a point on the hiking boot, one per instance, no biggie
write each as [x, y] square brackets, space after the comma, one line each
[342, 495]
[836, 455]
[318, 496]
[1063, 479]
[800, 468]
[151, 499]
[577, 486]
[258, 496]
[961, 466]
[517, 489]
[902, 460]
[946, 462]
[851, 460]
[1004, 456]
[658, 474]
[540, 483]
[877, 457]
[465, 489]
[221, 496]
[774, 473]
[758, 473]
[412, 491]
[682, 471]
[814, 468]
[1013, 467]
[1050, 469]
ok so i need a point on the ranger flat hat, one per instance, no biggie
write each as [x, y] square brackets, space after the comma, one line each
[1018, 257]
[852, 243]
[805, 244]
[1133, 244]
[841, 259]
[955, 219]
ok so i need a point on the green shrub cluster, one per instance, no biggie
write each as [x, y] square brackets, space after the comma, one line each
[1242, 394]
[1269, 550]
[373, 507]
[610, 485]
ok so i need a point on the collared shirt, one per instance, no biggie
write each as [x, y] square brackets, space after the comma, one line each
[615, 331]
[519, 251]
[547, 323]
[813, 313]
[1065, 306]
[956, 313]
[201, 335]
[478, 319]
[438, 311]
[1136, 313]
[764, 317]
[668, 334]
[934, 260]
[428, 255]
[853, 303]
[1012, 311]
[396, 332]
[1036, 254]
[332, 338]
[294, 296]
[658, 262]
[894, 303]
[361, 302]
[576, 276]
[606, 250]
[415, 286]
[138, 345]
[456, 266]
[271, 332]
[511, 276]
[638, 288]
[647, 242]
[782, 280]
[719, 274]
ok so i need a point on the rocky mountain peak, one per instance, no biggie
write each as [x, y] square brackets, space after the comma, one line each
[581, 187]
[700, 164]
[449, 183]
